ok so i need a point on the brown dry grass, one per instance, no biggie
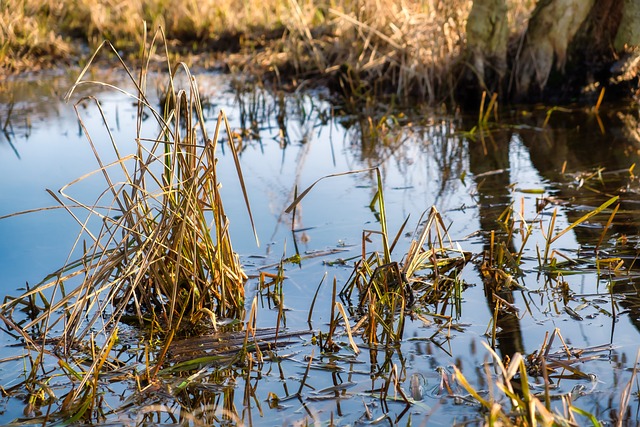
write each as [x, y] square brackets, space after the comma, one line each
[37, 33]
[374, 46]
[27, 35]
[155, 249]
[410, 48]
[367, 48]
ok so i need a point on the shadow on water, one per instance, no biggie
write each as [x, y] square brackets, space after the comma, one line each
[588, 158]
[489, 163]
[522, 168]
[584, 159]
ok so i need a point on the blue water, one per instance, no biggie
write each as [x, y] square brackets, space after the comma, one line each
[425, 159]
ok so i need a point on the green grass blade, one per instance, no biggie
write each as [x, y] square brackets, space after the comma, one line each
[582, 219]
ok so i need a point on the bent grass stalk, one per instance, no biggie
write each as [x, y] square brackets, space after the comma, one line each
[550, 238]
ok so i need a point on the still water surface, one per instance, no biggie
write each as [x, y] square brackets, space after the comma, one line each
[573, 163]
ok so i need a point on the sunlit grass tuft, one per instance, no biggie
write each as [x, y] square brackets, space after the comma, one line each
[387, 289]
[155, 245]
[426, 278]
[513, 398]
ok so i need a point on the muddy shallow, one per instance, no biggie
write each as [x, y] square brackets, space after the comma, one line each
[571, 163]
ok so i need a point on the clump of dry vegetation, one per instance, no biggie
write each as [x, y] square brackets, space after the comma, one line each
[35, 33]
[384, 46]
[364, 47]
[154, 246]
[28, 39]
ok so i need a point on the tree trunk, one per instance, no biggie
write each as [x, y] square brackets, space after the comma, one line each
[629, 30]
[487, 37]
[552, 26]
[571, 48]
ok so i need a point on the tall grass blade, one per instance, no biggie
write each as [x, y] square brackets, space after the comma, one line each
[345, 317]
[302, 195]
[236, 160]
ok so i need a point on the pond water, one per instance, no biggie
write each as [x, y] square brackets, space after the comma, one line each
[538, 160]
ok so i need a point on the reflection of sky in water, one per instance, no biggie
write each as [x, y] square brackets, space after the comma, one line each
[422, 168]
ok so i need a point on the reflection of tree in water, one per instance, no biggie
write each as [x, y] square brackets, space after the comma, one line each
[597, 152]
[582, 144]
[489, 164]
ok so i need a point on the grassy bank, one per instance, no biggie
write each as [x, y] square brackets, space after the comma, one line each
[36, 33]
[362, 47]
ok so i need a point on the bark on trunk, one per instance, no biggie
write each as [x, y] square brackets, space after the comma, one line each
[597, 41]
[552, 26]
[628, 35]
[487, 37]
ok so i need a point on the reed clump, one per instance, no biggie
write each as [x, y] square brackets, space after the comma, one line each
[425, 284]
[155, 245]
[388, 290]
